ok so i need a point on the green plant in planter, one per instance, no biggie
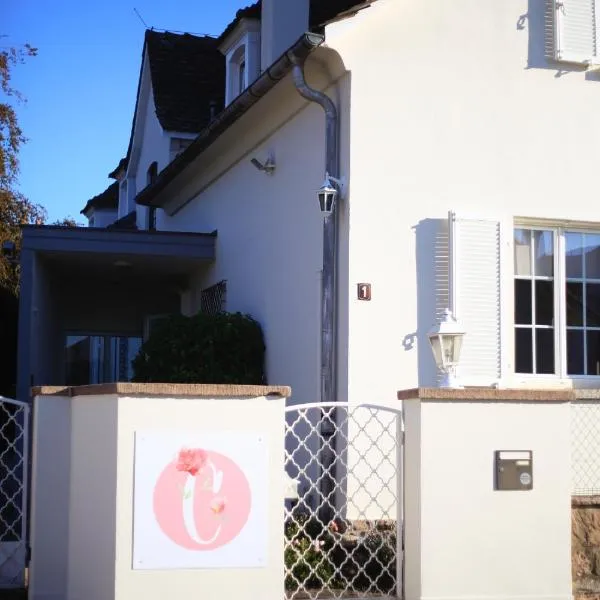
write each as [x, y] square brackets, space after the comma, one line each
[221, 348]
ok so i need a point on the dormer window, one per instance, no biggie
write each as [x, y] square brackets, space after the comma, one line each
[123, 199]
[242, 76]
[152, 173]
[151, 176]
[242, 52]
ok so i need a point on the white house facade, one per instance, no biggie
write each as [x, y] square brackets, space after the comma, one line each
[464, 136]
[473, 115]
[467, 138]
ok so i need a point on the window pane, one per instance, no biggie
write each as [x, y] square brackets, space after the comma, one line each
[592, 304]
[522, 243]
[593, 352]
[574, 254]
[523, 301]
[523, 350]
[574, 304]
[544, 302]
[544, 351]
[575, 352]
[544, 253]
[592, 256]
[100, 359]
[77, 360]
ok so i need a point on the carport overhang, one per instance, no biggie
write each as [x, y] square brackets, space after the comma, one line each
[89, 240]
[71, 254]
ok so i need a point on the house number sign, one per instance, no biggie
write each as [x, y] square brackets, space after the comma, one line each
[364, 291]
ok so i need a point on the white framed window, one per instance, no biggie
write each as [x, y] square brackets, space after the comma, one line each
[556, 301]
[236, 73]
[151, 175]
[123, 199]
[242, 76]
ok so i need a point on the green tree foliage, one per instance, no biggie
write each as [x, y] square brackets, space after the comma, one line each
[222, 348]
[15, 209]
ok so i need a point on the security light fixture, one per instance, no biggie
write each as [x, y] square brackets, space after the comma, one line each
[268, 167]
[446, 343]
[328, 194]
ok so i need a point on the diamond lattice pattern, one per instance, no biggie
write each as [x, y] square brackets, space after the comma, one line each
[585, 447]
[13, 474]
[341, 531]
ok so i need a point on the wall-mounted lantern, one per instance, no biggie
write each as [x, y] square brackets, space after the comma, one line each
[446, 342]
[328, 194]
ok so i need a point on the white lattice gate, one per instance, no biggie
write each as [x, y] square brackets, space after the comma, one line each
[14, 469]
[343, 513]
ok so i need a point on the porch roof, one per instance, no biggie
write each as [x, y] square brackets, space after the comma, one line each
[88, 240]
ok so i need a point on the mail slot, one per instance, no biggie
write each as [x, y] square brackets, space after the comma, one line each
[514, 470]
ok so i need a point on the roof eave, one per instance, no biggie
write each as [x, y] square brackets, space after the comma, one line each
[307, 43]
[244, 25]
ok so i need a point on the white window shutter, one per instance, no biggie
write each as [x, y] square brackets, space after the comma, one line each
[575, 31]
[475, 296]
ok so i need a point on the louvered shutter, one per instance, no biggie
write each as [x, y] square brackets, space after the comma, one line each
[575, 31]
[475, 296]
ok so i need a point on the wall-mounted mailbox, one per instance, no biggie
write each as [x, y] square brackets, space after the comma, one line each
[514, 470]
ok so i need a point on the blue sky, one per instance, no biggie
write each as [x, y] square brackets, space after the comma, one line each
[81, 87]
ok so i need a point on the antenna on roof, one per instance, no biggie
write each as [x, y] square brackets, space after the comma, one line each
[135, 10]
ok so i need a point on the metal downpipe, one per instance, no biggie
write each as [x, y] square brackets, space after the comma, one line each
[328, 458]
[328, 295]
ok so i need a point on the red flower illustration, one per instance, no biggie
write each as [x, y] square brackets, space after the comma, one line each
[191, 460]
[218, 505]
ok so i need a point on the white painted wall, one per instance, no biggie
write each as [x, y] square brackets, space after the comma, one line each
[50, 490]
[282, 23]
[269, 229]
[453, 107]
[92, 506]
[82, 504]
[155, 145]
[465, 540]
[103, 217]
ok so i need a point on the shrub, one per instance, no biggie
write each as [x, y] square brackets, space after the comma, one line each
[359, 555]
[221, 348]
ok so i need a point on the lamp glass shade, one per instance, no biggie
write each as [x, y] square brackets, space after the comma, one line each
[327, 195]
[446, 348]
[446, 342]
[327, 200]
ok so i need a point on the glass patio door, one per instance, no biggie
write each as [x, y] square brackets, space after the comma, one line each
[94, 359]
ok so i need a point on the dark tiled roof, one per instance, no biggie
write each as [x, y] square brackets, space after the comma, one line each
[249, 12]
[188, 79]
[267, 81]
[126, 222]
[120, 167]
[108, 199]
[321, 12]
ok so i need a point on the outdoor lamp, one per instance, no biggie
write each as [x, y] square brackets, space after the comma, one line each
[446, 342]
[327, 195]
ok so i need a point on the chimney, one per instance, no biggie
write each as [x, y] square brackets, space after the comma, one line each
[282, 23]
